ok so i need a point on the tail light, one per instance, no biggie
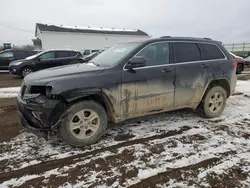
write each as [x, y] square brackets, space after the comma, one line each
[235, 64]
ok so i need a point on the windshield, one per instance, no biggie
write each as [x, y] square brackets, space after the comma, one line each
[247, 58]
[114, 54]
[34, 56]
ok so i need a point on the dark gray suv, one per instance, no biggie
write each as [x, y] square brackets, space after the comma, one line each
[126, 81]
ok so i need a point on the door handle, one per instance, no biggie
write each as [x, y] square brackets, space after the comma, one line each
[205, 65]
[167, 70]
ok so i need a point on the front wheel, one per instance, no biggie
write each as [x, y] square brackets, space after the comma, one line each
[25, 71]
[214, 102]
[85, 124]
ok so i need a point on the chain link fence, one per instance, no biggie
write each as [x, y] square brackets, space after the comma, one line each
[238, 47]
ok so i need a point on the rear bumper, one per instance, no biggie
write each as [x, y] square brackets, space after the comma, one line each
[233, 83]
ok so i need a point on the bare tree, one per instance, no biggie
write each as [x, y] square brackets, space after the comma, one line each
[25, 47]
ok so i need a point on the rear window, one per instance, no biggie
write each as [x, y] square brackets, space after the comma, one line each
[61, 54]
[72, 54]
[210, 52]
[186, 52]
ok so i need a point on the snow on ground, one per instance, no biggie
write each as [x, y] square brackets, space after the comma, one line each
[176, 149]
[9, 92]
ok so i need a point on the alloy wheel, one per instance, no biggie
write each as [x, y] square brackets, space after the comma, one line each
[84, 124]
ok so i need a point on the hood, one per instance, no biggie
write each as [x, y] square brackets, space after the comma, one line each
[19, 60]
[43, 77]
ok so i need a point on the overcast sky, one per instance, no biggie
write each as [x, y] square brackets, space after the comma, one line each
[224, 20]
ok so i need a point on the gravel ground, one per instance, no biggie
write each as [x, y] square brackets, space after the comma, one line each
[176, 149]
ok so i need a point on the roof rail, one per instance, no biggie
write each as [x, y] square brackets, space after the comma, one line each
[163, 37]
[207, 38]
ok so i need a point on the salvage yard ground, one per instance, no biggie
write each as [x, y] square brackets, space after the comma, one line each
[176, 149]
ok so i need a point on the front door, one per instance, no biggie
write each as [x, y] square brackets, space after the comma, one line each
[149, 89]
[45, 61]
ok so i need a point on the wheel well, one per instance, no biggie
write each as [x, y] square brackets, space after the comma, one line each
[223, 83]
[27, 67]
[99, 99]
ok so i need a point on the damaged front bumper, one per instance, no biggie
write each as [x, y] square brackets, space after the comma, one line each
[40, 118]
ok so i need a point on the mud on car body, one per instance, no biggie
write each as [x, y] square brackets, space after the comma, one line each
[126, 81]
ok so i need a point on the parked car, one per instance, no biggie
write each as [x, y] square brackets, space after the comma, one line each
[247, 61]
[44, 60]
[7, 56]
[240, 63]
[126, 81]
[91, 56]
[87, 52]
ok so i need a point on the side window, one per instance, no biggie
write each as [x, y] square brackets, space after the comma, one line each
[86, 52]
[210, 52]
[186, 52]
[48, 55]
[156, 54]
[72, 54]
[62, 54]
[7, 55]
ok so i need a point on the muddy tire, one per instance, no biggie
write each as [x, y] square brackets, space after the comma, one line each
[25, 71]
[214, 102]
[85, 124]
[240, 68]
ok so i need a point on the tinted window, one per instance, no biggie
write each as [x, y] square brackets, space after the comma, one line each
[7, 55]
[61, 54]
[86, 52]
[186, 52]
[72, 54]
[19, 54]
[48, 55]
[210, 51]
[156, 54]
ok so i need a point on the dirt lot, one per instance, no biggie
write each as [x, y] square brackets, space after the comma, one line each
[176, 149]
[7, 80]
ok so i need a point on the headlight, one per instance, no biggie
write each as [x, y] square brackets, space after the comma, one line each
[17, 63]
[48, 91]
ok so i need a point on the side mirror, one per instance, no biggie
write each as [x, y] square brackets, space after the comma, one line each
[136, 62]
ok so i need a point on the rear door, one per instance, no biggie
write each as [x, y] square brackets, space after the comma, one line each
[149, 89]
[46, 60]
[5, 59]
[62, 58]
[66, 58]
[196, 65]
[191, 74]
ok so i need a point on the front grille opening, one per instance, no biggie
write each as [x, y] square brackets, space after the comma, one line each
[38, 89]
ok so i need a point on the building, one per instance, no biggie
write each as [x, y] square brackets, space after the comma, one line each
[81, 38]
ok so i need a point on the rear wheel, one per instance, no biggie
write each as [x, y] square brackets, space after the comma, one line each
[85, 124]
[240, 68]
[214, 102]
[25, 71]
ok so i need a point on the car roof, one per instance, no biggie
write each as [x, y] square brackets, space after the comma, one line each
[66, 50]
[191, 39]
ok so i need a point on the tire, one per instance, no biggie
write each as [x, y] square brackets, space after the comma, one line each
[76, 128]
[240, 68]
[25, 71]
[209, 101]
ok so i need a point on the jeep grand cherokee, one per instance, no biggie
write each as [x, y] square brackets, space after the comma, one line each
[126, 81]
